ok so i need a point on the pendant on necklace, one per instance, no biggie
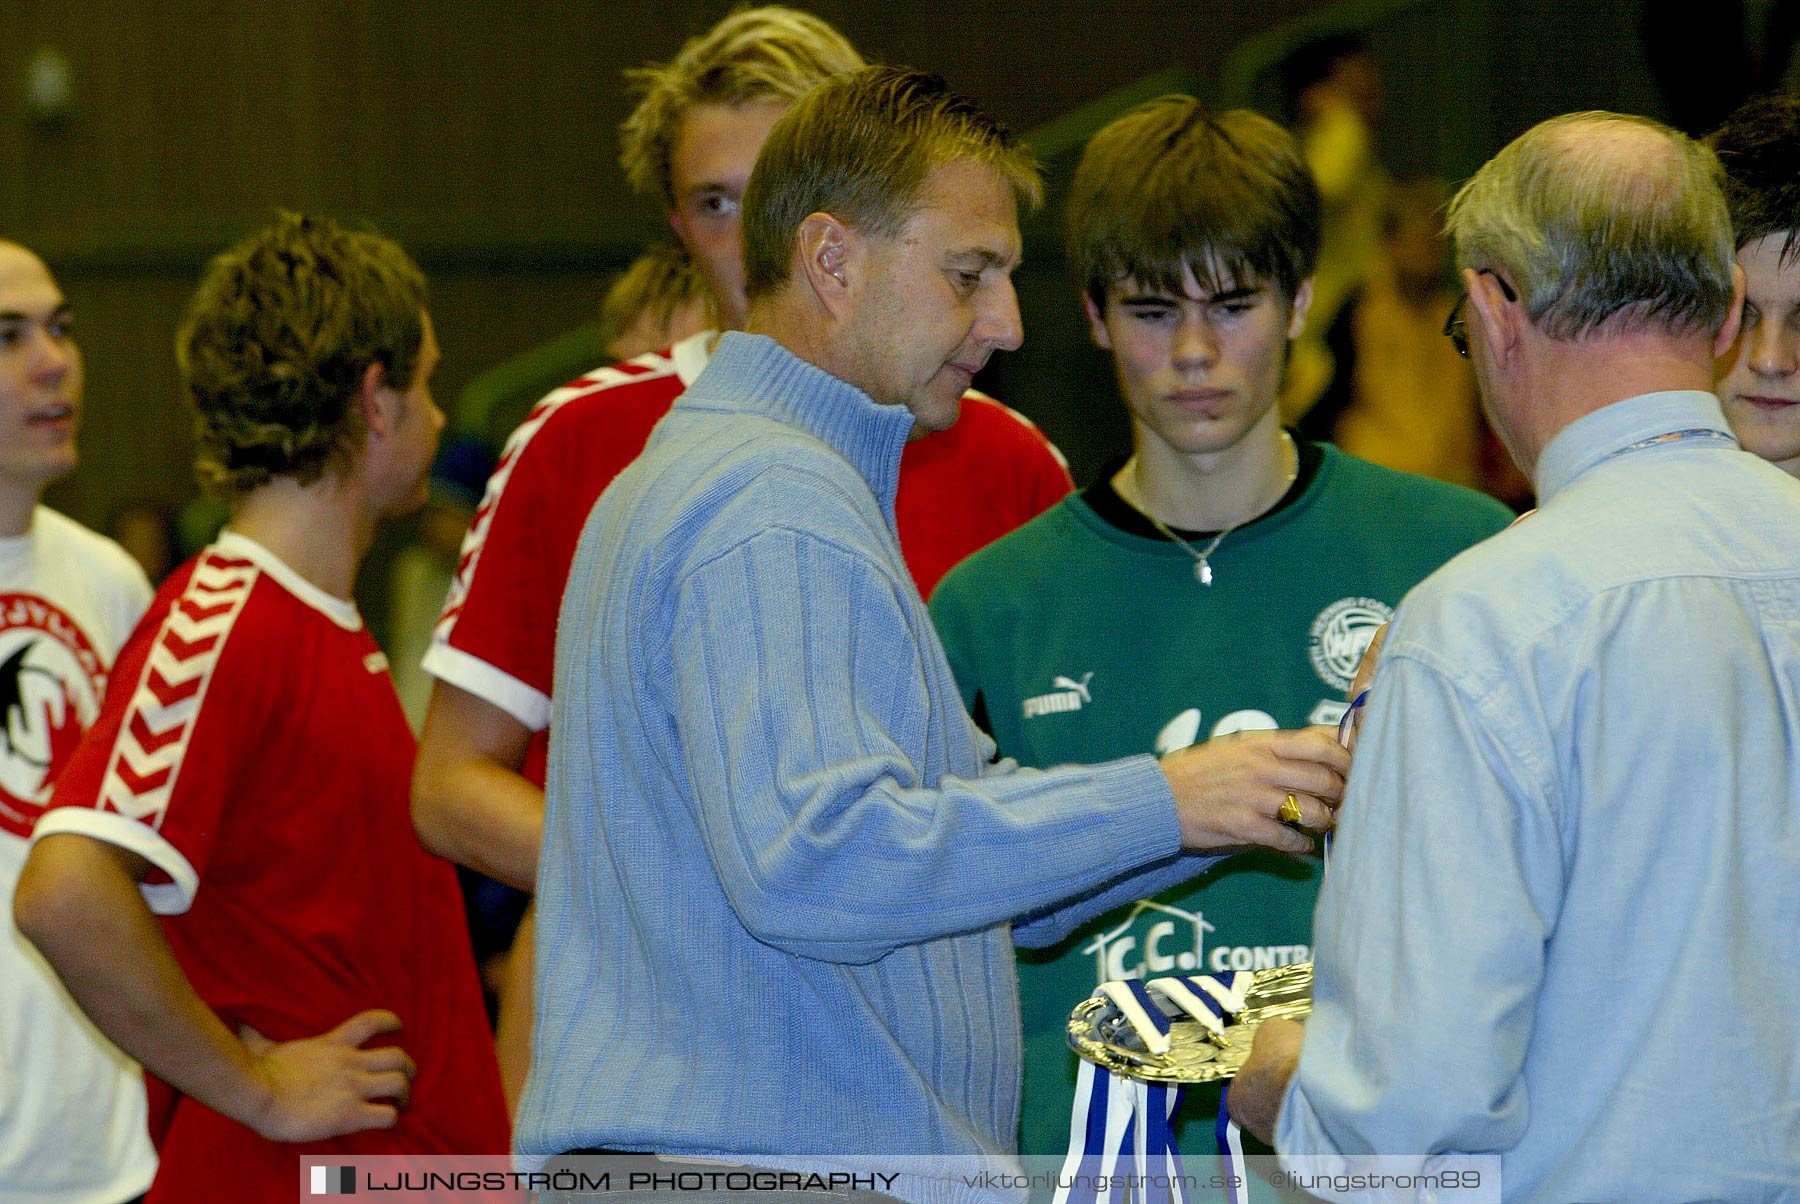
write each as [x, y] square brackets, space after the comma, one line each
[1203, 571]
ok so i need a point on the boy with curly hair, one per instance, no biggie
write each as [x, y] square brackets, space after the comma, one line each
[247, 780]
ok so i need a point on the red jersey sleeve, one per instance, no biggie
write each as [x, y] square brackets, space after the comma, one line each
[497, 633]
[497, 636]
[182, 721]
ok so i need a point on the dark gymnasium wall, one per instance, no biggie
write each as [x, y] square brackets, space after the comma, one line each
[138, 138]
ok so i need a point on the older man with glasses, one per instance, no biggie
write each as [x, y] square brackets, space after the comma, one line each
[1571, 848]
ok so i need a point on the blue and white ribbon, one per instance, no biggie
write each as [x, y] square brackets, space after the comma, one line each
[1114, 1117]
[1231, 1151]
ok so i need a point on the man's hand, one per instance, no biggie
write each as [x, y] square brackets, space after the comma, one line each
[1371, 657]
[1365, 677]
[1229, 790]
[327, 1086]
[78, 902]
[1256, 1094]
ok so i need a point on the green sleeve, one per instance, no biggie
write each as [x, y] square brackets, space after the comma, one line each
[950, 616]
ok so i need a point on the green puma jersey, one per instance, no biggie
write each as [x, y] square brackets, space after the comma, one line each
[1085, 635]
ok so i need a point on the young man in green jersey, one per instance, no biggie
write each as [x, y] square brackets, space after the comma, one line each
[1227, 576]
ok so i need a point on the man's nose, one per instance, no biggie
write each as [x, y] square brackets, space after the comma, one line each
[1000, 327]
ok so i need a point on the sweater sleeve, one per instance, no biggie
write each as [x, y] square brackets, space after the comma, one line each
[810, 699]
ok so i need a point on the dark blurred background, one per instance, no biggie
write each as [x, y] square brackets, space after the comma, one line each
[136, 139]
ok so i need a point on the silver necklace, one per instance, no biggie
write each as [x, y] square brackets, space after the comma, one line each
[1202, 570]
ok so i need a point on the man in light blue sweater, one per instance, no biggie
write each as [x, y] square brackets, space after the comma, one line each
[779, 869]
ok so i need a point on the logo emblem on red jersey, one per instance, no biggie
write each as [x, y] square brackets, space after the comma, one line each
[51, 681]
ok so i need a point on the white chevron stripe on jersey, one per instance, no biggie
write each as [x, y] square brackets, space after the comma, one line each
[152, 740]
[188, 630]
[653, 366]
[215, 577]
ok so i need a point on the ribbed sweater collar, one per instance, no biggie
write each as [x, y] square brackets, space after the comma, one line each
[753, 374]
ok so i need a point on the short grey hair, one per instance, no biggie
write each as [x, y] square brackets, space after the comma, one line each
[1596, 228]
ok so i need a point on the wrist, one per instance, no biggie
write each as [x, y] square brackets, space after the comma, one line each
[254, 1093]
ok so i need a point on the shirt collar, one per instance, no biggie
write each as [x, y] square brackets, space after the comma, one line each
[689, 356]
[1594, 437]
[18, 547]
[341, 611]
[753, 374]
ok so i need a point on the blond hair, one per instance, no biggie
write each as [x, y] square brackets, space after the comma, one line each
[769, 53]
[657, 283]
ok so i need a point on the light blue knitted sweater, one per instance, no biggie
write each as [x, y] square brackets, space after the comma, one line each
[778, 871]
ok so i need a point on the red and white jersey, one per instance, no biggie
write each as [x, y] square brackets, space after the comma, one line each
[960, 490]
[253, 750]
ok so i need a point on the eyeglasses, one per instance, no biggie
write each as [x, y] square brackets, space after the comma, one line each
[1455, 329]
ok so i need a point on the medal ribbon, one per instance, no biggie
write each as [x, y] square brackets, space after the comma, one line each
[1231, 1151]
[1114, 1117]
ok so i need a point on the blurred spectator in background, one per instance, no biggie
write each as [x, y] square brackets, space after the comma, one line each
[1401, 395]
[425, 564]
[657, 301]
[145, 527]
[1332, 91]
[1758, 379]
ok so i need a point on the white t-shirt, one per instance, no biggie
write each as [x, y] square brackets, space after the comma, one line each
[72, 1126]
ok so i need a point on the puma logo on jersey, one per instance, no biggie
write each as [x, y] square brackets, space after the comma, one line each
[1066, 694]
[376, 662]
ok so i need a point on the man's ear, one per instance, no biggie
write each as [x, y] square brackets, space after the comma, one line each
[1303, 299]
[1734, 321]
[1096, 323]
[829, 252]
[379, 402]
[1502, 321]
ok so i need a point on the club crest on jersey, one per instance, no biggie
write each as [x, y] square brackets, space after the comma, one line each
[1066, 694]
[51, 682]
[1340, 636]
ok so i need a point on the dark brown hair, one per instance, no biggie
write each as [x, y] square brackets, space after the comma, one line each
[1759, 148]
[275, 343]
[1168, 189]
[860, 147]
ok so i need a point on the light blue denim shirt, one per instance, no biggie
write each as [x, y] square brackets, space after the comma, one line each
[1560, 919]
